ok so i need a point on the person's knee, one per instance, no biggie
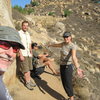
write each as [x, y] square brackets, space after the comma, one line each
[27, 73]
[52, 59]
[48, 62]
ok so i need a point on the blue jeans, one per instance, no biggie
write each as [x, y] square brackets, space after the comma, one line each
[66, 77]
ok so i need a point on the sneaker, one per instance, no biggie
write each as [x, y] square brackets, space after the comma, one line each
[29, 86]
[32, 84]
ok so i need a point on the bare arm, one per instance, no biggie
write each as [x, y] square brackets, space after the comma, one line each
[21, 56]
[43, 55]
[74, 58]
[55, 45]
[75, 61]
[30, 49]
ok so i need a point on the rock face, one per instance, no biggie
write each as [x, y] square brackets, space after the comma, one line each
[6, 20]
[5, 13]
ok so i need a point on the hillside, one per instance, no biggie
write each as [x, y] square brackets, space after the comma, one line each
[84, 23]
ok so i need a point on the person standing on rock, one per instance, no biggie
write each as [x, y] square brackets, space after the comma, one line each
[10, 44]
[25, 56]
[67, 61]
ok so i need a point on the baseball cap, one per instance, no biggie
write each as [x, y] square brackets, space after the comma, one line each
[10, 34]
[66, 34]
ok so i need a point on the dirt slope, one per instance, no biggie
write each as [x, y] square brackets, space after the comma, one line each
[49, 88]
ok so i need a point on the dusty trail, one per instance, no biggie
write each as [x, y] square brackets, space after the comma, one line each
[49, 88]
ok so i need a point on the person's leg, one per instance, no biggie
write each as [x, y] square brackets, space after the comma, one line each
[30, 67]
[36, 72]
[26, 73]
[25, 69]
[72, 98]
[40, 70]
[44, 59]
[66, 77]
[30, 63]
[49, 64]
[27, 76]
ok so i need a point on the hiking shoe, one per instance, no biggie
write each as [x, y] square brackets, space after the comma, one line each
[29, 86]
[32, 84]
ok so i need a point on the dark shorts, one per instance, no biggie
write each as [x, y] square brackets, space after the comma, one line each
[37, 71]
[26, 65]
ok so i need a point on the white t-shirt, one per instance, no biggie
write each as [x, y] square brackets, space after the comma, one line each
[26, 40]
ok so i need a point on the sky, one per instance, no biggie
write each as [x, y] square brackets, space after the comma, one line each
[21, 3]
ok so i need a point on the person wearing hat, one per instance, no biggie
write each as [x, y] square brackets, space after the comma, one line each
[68, 59]
[10, 44]
[25, 56]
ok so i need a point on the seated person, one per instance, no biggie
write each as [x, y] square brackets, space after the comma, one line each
[39, 61]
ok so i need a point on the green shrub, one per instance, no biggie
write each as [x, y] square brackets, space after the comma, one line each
[30, 10]
[20, 9]
[23, 10]
[51, 13]
[35, 3]
[67, 13]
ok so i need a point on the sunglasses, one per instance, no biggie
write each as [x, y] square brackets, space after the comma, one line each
[6, 45]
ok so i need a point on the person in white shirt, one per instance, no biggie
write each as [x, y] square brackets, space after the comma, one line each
[25, 56]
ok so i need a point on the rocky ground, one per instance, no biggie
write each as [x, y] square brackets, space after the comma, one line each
[84, 23]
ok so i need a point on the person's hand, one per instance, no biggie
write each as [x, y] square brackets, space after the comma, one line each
[80, 73]
[31, 51]
[22, 58]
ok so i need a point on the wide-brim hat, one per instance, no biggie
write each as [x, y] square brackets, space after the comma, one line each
[10, 34]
